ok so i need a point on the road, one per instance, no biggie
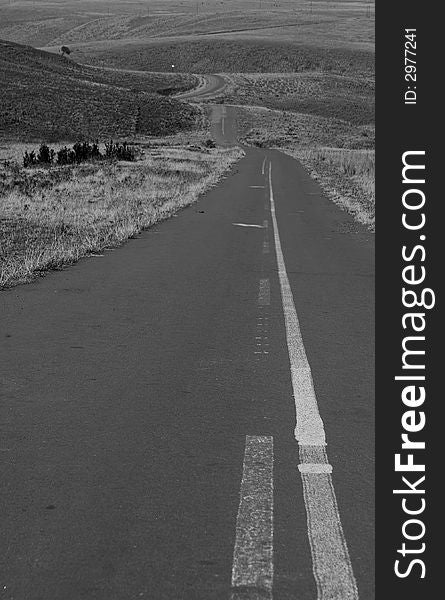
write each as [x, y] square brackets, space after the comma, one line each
[209, 86]
[149, 441]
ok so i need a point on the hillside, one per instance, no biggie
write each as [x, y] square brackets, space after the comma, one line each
[48, 97]
[221, 55]
[343, 24]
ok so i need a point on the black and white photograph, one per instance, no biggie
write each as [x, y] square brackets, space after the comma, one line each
[188, 307]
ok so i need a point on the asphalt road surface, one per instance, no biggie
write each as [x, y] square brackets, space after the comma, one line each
[209, 86]
[150, 395]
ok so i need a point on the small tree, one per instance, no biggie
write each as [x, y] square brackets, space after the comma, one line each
[65, 50]
[45, 155]
[29, 159]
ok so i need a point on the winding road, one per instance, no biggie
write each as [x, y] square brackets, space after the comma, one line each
[190, 416]
[209, 86]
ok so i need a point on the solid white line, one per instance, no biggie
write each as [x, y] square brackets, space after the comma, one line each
[264, 293]
[330, 556]
[309, 428]
[253, 553]
[308, 468]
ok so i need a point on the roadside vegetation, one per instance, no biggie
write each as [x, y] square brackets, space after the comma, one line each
[79, 152]
[348, 176]
[51, 217]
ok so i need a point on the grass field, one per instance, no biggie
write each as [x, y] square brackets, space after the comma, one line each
[48, 97]
[225, 56]
[323, 94]
[52, 217]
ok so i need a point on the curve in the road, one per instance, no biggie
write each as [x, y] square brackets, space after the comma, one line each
[210, 86]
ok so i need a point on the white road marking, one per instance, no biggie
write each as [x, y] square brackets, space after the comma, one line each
[247, 225]
[266, 245]
[257, 187]
[309, 428]
[264, 293]
[263, 167]
[222, 125]
[330, 556]
[262, 332]
[314, 468]
[331, 564]
[253, 553]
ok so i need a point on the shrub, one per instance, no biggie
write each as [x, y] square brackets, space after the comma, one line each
[65, 156]
[80, 152]
[45, 155]
[29, 159]
[120, 151]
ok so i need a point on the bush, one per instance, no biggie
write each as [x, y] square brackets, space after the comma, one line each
[80, 152]
[120, 151]
[65, 156]
[29, 159]
[45, 155]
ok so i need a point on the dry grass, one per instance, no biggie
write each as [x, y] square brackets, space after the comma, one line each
[347, 176]
[51, 218]
[204, 54]
[279, 129]
[332, 24]
[325, 94]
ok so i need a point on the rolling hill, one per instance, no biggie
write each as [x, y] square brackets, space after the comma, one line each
[222, 55]
[49, 98]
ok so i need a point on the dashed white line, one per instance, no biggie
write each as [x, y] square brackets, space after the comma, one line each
[264, 293]
[330, 556]
[263, 167]
[252, 569]
[248, 225]
[266, 245]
